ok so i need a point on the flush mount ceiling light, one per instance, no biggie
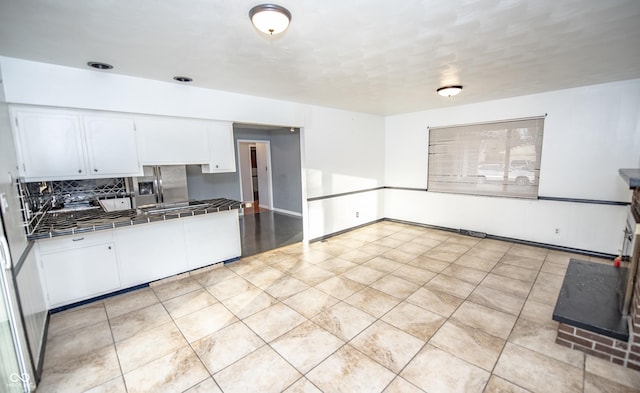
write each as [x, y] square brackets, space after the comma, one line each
[100, 66]
[270, 18]
[448, 91]
[184, 79]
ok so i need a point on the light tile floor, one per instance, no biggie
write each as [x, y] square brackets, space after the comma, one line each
[388, 307]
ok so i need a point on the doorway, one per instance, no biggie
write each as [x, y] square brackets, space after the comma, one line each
[254, 165]
[276, 173]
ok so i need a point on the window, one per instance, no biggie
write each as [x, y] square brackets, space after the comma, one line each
[498, 158]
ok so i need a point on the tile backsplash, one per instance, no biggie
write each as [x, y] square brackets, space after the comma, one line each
[39, 196]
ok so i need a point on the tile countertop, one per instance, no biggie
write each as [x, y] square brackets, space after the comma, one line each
[55, 224]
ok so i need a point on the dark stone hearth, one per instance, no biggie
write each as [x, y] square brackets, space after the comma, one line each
[588, 300]
[631, 176]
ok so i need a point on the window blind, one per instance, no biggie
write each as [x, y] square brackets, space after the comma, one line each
[499, 158]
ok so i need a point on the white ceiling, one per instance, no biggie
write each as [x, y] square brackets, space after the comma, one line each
[382, 57]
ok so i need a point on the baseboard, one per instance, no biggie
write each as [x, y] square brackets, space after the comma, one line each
[96, 298]
[510, 239]
[39, 363]
[287, 212]
[325, 237]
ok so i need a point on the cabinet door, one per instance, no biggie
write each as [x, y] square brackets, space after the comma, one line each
[50, 145]
[172, 141]
[80, 273]
[222, 150]
[212, 238]
[111, 145]
[151, 251]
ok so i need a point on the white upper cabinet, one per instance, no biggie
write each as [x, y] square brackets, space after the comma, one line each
[111, 146]
[50, 145]
[55, 144]
[165, 140]
[66, 144]
[222, 153]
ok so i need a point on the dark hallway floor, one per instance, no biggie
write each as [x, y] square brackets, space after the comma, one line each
[267, 230]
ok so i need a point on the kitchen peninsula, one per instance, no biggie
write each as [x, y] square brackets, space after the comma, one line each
[102, 252]
[77, 157]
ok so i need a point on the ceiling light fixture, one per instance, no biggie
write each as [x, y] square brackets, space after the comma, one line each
[448, 91]
[184, 79]
[100, 66]
[270, 18]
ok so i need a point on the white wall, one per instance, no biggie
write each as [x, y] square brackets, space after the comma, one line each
[34, 305]
[29, 82]
[590, 132]
[244, 166]
[8, 185]
[342, 151]
[369, 206]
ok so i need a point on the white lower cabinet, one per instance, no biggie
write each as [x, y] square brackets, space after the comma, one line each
[151, 251]
[80, 267]
[79, 270]
[212, 238]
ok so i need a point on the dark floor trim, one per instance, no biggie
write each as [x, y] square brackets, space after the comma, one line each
[344, 194]
[406, 188]
[121, 291]
[578, 200]
[595, 254]
[513, 240]
[325, 237]
[94, 299]
[43, 346]
[14, 279]
[23, 258]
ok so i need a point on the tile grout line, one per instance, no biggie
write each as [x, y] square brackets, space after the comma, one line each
[336, 252]
[115, 349]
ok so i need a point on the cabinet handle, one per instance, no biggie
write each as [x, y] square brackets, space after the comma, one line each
[79, 170]
[216, 166]
[109, 247]
[95, 170]
[77, 239]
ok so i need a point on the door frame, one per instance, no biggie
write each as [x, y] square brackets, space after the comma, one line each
[269, 172]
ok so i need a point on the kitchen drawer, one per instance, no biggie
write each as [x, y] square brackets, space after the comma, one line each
[79, 240]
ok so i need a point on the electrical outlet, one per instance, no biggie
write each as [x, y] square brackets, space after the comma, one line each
[557, 231]
[357, 214]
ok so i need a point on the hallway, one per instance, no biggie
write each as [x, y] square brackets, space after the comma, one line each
[265, 230]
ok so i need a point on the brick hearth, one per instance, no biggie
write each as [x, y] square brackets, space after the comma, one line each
[625, 353]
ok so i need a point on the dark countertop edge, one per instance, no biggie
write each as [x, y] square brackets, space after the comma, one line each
[234, 205]
[631, 176]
